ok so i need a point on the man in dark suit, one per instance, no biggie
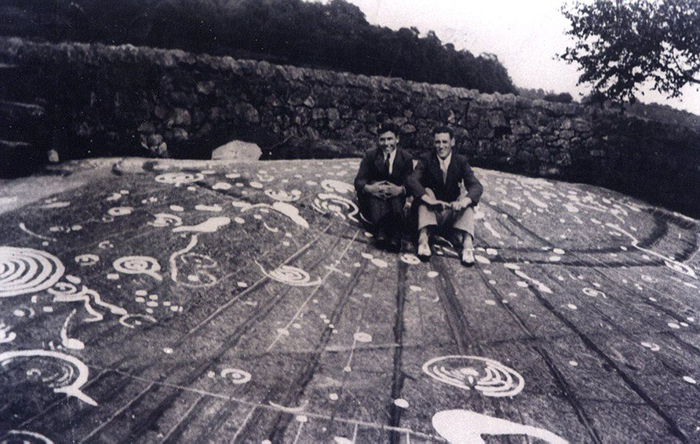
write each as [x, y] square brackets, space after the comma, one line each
[446, 191]
[380, 187]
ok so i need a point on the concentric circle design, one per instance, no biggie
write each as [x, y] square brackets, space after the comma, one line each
[236, 376]
[179, 178]
[292, 276]
[327, 203]
[25, 270]
[489, 377]
[138, 265]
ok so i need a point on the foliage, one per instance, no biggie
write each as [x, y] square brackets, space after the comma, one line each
[334, 35]
[621, 44]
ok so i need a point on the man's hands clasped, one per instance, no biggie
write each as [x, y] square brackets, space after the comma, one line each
[384, 190]
[441, 205]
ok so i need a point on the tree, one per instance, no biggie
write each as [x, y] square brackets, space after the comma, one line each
[621, 44]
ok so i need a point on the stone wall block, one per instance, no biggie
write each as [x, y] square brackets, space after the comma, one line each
[497, 120]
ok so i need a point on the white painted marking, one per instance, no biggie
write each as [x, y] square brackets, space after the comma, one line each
[25, 270]
[80, 373]
[120, 211]
[211, 225]
[467, 427]
[209, 208]
[489, 377]
[31, 233]
[236, 376]
[138, 265]
[494, 233]
[70, 343]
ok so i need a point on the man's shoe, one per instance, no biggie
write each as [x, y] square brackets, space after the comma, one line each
[467, 257]
[424, 252]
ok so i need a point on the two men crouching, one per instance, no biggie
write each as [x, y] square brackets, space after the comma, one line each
[442, 184]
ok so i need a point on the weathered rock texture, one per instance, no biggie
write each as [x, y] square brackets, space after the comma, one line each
[126, 100]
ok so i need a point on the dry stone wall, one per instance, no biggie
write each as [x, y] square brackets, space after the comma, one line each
[141, 101]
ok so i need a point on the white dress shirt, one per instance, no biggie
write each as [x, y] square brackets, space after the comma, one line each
[392, 156]
[444, 165]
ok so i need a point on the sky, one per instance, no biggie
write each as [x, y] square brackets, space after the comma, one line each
[526, 35]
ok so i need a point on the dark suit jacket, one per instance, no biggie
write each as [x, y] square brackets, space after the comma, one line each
[428, 174]
[372, 169]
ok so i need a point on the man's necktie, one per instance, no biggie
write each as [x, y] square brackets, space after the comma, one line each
[386, 164]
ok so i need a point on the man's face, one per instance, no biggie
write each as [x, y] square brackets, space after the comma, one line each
[444, 144]
[388, 142]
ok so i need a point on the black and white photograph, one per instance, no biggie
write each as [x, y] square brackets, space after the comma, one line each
[349, 221]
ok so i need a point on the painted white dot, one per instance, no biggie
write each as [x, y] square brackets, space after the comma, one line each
[522, 284]
[167, 303]
[363, 337]
[492, 281]
[433, 274]
[296, 325]
[488, 272]
[149, 310]
[572, 306]
[490, 302]
[211, 374]
[366, 295]
[558, 251]
[689, 380]
[684, 324]
[379, 263]
[400, 402]
[302, 418]
[674, 325]
[140, 300]
[239, 220]
[113, 276]
[168, 350]
[333, 396]
[175, 308]
[242, 284]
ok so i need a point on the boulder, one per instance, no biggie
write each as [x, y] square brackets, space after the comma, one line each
[237, 150]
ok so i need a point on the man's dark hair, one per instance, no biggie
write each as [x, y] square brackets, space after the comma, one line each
[386, 127]
[444, 129]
